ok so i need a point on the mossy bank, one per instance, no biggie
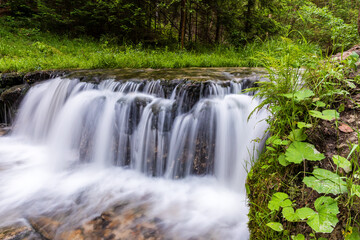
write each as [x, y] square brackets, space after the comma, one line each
[305, 184]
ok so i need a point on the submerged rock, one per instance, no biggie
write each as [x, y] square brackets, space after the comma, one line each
[118, 222]
[19, 232]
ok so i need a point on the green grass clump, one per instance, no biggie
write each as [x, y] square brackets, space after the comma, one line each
[23, 50]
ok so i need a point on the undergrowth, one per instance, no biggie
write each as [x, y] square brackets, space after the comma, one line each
[295, 191]
[28, 49]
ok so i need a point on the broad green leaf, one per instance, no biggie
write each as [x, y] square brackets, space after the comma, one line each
[299, 151]
[282, 160]
[304, 213]
[355, 190]
[298, 237]
[325, 181]
[326, 114]
[297, 135]
[280, 142]
[299, 95]
[275, 226]
[304, 94]
[289, 214]
[320, 104]
[342, 162]
[304, 125]
[278, 200]
[325, 219]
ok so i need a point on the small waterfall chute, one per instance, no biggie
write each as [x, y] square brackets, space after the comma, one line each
[132, 139]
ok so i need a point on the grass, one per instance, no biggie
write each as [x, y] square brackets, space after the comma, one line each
[23, 50]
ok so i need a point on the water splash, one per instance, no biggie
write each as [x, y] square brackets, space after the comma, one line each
[69, 135]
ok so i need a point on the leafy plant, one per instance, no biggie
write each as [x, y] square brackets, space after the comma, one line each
[324, 181]
[325, 219]
[300, 151]
[325, 115]
[342, 163]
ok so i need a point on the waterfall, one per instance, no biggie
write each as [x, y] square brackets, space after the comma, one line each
[194, 137]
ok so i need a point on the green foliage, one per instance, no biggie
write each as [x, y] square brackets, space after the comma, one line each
[325, 181]
[325, 219]
[23, 49]
[300, 151]
[296, 110]
[353, 235]
[302, 125]
[159, 22]
[319, 24]
[298, 237]
[278, 200]
[300, 95]
[342, 163]
[304, 213]
[325, 115]
[275, 226]
[355, 190]
[297, 135]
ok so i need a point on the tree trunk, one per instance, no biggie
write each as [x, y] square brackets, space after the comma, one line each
[182, 23]
[250, 5]
[358, 22]
[218, 25]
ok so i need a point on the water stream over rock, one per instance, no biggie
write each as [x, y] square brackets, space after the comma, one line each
[180, 148]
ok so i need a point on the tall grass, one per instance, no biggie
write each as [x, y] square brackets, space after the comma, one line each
[24, 49]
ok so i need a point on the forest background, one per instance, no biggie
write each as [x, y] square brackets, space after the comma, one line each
[190, 24]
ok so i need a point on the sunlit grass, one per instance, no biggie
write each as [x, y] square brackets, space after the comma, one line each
[24, 50]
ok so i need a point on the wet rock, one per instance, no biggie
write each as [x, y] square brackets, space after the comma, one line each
[10, 101]
[4, 130]
[118, 222]
[346, 54]
[11, 79]
[14, 94]
[39, 76]
[19, 232]
[45, 226]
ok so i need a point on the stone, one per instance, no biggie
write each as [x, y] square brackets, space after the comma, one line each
[45, 226]
[19, 232]
[118, 222]
[11, 79]
[39, 76]
[14, 94]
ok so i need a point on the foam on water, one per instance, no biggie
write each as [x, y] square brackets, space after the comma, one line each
[45, 171]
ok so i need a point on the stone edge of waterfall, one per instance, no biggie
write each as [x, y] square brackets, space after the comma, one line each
[13, 85]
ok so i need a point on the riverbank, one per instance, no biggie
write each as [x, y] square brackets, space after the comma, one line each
[305, 185]
[25, 50]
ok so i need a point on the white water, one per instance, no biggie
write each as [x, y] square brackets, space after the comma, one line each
[69, 135]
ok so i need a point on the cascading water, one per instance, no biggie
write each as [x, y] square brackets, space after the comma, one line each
[69, 136]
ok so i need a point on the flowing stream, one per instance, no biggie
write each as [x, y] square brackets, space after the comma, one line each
[183, 149]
